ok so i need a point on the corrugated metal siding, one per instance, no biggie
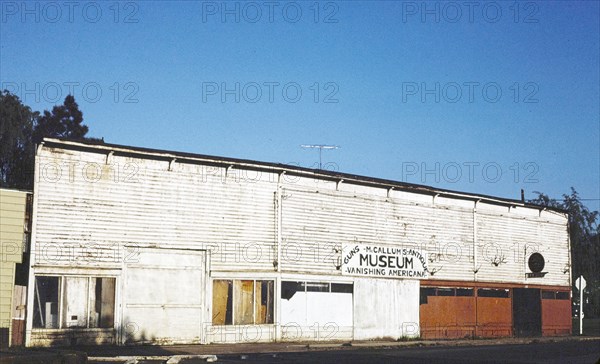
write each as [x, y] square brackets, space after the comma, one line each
[515, 238]
[232, 211]
[316, 222]
[326, 219]
[90, 221]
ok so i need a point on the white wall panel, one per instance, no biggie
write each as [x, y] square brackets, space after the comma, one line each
[385, 308]
[89, 220]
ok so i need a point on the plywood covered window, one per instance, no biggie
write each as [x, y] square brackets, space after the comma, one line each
[242, 302]
[74, 302]
[102, 302]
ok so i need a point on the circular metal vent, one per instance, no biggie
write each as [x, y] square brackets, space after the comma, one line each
[536, 262]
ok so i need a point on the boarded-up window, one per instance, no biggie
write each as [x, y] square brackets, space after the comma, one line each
[264, 302]
[74, 302]
[222, 300]
[242, 302]
[102, 302]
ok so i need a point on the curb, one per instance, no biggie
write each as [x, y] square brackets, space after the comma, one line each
[172, 359]
[43, 357]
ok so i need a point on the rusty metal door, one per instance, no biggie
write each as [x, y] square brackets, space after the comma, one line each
[527, 312]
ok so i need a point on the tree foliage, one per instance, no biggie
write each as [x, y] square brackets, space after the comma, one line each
[584, 233]
[17, 123]
[21, 129]
[65, 121]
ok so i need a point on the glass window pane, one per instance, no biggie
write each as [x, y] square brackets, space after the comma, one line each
[317, 286]
[45, 302]
[548, 295]
[342, 287]
[243, 295]
[426, 292]
[445, 291]
[563, 295]
[288, 289]
[491, 292]
[464, 292]
[222, 302]
[102, 302]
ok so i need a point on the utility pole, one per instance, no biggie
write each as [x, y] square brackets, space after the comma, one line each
[320, 147]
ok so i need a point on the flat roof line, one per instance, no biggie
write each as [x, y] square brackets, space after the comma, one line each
[279, 167]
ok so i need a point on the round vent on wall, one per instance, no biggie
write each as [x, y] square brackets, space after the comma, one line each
[536, 262]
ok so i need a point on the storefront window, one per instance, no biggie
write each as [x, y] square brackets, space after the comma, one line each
[102, 302]
[493, 292]
[222, 302]
[264, 302]
[75, 302]
[242, 302]
[45, 302]
[289, 288]
[555, 295]
[243, 294]
[80, 302]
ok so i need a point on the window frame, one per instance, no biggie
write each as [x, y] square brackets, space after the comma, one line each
[254, 298]
[340, 287]
[62, 279]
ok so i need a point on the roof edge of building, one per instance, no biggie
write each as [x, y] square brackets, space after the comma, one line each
[83, 144]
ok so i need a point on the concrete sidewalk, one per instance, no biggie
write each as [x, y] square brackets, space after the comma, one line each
[242, 348]
[108, 354]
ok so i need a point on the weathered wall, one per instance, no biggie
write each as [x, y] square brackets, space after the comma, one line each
[489, 243]
[385, 308]
[97, 210]
[101, 222]
[92, 209]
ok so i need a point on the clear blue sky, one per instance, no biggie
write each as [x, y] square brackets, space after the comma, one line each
[416, 83]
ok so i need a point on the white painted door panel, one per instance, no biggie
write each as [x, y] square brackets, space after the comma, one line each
[163, 296]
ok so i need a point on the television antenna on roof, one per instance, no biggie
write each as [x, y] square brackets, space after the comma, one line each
[320, 147]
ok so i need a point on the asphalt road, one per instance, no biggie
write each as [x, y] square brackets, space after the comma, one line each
[565, 352]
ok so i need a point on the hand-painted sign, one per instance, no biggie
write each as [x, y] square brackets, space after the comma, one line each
[382, 261]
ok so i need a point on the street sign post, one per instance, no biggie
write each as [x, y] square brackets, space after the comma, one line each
[580, 284]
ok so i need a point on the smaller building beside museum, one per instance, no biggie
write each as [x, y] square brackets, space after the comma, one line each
[14, 239]
[134, 245]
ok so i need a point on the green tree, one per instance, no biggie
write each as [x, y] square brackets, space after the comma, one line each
[65, 121]
[22, 129]
[584, 232]
[17, 122]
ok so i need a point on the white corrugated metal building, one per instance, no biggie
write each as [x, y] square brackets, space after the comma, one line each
[133, 245]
